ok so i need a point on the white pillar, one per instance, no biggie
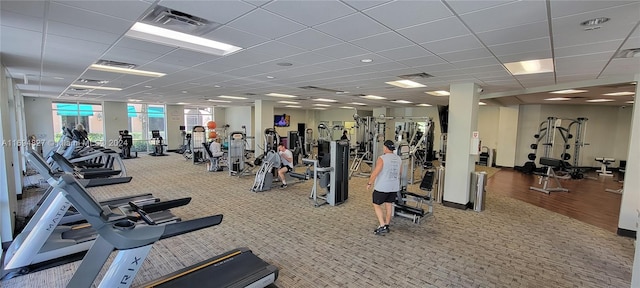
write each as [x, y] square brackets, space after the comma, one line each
[463, 116]
[630, 206]
[264, 120]
[507, 136]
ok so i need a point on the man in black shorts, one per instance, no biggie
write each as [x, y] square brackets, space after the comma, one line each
[386, 183]
[286, 160]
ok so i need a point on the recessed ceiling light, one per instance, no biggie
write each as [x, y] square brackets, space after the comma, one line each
[219, 101]
[424, 105]
[438, 93]
[346, 107]
[182, 103]
[558, 99]
[148, 86]
[322, 105]
[232, 97]
[530, 66]
[482, 103]
[281, 95]
[401, 101]
[373, 97]
[568, 91]
[113, 69]
[217, 86]
[406, 84]
[319, 108]
[626, 93]
[366, 60]
[325, 100]
[358, 103]
[284, 64]
[289, 102]
[270, 77]
[173, 38]
[293, 106]
[594, 21]
[58, 78]
[184, 92]
[135, 100]
[599, 100]
[95, 87]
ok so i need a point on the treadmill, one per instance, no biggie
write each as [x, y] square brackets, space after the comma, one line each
[236, 268]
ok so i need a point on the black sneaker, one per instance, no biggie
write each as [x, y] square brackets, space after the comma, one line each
[385, 229]
[283, 186]
[379, 231]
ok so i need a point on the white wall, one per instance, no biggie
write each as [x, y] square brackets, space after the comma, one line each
[37, 111]
[507, 137]
[116, 118]
[606, 131]
[235, 117]
[8, 198]
[488, 123]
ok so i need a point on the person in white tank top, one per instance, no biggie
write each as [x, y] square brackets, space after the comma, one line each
[385, 179]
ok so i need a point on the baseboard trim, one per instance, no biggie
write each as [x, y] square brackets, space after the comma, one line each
[455, 205]
[626, 233]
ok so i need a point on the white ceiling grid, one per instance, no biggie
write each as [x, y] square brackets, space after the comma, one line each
[325, 43]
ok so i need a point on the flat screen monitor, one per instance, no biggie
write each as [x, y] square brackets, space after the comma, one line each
[283, 120]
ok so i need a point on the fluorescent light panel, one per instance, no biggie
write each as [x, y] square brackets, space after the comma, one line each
[168, 37]
[319, 108]
[135, 100]
[322, 105]
[558, 99]
[325, 100]
[95, 87]
[183, 103]
[373, 97]
[482, 103]
[401, 101]
[113, 69]
[281, 95]
[232, 97]
[599, 100]
[293, 106]
[438, 93]
[346, 107]
[406, 84]
[289, 102]
[424, 105]
[626, 93]
[530, 66]
[219, 101]
[568, 91]
[358, 103]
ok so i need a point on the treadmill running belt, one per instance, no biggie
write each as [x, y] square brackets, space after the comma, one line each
[236, 268]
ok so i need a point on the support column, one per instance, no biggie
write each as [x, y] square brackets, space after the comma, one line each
[264, 120]
[630, 206]
[463, 116]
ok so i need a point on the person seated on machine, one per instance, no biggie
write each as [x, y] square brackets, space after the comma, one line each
[286, 163]
[216, 153]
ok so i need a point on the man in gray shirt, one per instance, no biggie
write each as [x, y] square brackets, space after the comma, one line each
[387, 183]
[286, 166]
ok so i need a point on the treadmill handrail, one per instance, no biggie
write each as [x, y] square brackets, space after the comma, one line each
[183, 227]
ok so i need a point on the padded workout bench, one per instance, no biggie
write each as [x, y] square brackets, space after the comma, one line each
[604, 164]
[551, 163]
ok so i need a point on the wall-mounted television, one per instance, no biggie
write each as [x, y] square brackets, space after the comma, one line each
[283, 120]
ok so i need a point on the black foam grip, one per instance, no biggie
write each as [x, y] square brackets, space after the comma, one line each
[183, 227]
[166, 205]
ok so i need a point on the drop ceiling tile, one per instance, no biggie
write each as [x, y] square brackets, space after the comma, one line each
[88, 20]
[336, 65]
[310, 39]
[352, 27]
[235, 37]
[476, 62]
[565, 8]
[632, 42]
[459, 43]
[413, 51]
[15, 20]
[436, 30]
[515, 34]
[186, 58]
[27, 8]
[466, 6]
[307, 58]
[343, 50]
[422, 61]
[532, 55]
[620, 66]
[591, 48]
[508, 15]
[465, 55]
[384, 41]
[217, 11]
[79, 32]
[362, 5]
[133, 56]
[306, 12]
[265, 24]
[275, 49]
[402, 14]
[127, 10]
[538, 44]
[357, 60]
[15, 41]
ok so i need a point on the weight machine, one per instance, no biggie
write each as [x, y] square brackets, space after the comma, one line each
[331, 174]
[238, 163]
[410, 205]
[198, 137]
[157, 144]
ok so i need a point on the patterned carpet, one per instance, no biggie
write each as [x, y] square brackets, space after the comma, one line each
[510, 244]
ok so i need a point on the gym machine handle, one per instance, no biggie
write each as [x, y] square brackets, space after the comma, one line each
[166, 205]
[175, 229]
[143, 214]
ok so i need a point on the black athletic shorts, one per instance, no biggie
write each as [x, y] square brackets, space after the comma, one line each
[288, 167]
[383, 197]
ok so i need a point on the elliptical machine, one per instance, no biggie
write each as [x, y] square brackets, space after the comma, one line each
[125, 144]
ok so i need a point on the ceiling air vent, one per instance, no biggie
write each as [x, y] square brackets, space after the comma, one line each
[179, 21]
[416, 76]
[92, 81]
[250, 94]
[323, 89]
[116, 64]
[628, 53]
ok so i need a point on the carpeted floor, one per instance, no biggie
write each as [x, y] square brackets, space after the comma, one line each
[510, 244]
